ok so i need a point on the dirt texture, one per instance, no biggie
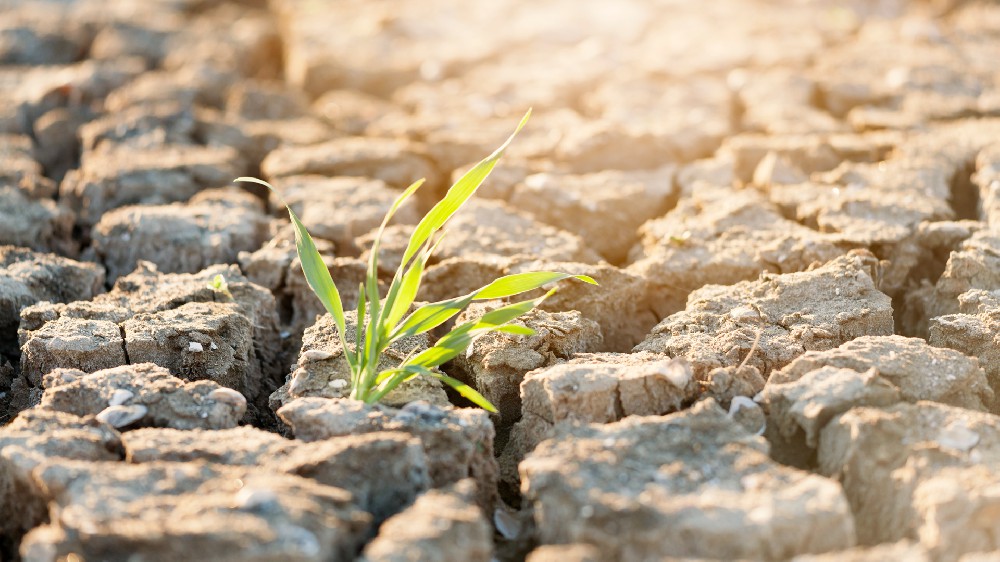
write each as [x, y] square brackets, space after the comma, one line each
[791, 207]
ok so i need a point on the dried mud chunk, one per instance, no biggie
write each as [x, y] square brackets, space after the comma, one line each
[40, 42]
[718, 236]
[395, 162]
[276, 267]
[602, 145]
[458, 442]
[383, 470]
[166, 400]
[151, 125]
[987, 177]
[322, 369]
[180, 238]
[27, 277]
[599, 207]
[358, 463]
[41, 225]
[689, 117]
[37, 436]
[259, 100]
[347, 273]
[792, 313]
[894, 464]
[496, 363]
[484, 237]
[147, 40]
[440, 525]
[920, 371]
[381, 58]
[809, 153]
[251, 48]
[198, 341]
[976, 334]
[20, 169]
[340, 209]
[33, 91]
[234, 446]
[351, 111]
[653, 487]
[88, 345]
[593, 388]
[57, 145]
[187, 87]
[618, 304]
[804, 406]
[781, 101]
[112, 178]
[146, 290]
[975, 265]
[493, 228]
[192, 510]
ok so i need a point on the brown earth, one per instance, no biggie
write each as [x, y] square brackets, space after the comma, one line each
[792, 208]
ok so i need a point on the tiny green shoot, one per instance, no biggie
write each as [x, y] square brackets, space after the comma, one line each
[219, 285]
[389, 317]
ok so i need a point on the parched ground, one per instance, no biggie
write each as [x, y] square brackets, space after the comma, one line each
[792, 208]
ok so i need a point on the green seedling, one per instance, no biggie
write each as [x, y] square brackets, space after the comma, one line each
[219, 285]
[389, 318]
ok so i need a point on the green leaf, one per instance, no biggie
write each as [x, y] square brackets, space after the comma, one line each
[466, 391]
[456, 196]
[518, 283]
[398, 303]
[392, 378]
[430, 316]
[515, 329]
[505, 314]
[455, 341]
[316, 273]
[358, 336]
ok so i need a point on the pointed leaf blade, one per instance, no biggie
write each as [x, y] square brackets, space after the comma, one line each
[510, 285]
[315, 270]
[466, 391]
[456, 196]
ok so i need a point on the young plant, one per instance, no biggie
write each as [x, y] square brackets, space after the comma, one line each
[389, 319]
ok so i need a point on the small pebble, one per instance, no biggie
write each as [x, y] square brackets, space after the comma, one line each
[314, 355]
[228, 396]
[120, 396]
[195, 347]
[121, 416]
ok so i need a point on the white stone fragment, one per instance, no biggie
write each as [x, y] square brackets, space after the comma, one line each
[121, 416]
[195, 347]
[120, 396]
[314, 355]
[228, 396]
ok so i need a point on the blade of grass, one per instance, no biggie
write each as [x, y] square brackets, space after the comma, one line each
[358, 336]
[510, 285]
[457, 195]
[430, 316]
[455, 341]
[315, 270]
[395, 377]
